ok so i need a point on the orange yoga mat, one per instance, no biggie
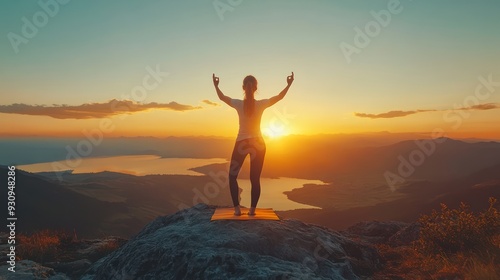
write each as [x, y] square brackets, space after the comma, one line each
[260, 214]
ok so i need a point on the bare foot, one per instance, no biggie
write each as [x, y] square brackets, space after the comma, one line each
[237, 211]
[252, 211]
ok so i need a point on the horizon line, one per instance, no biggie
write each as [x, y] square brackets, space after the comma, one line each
[372, 133]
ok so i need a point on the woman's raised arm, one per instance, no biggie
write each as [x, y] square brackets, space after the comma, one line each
[221, 95]
[274, 99]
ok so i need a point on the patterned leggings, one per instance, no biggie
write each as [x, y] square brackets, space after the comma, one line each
[256, 148]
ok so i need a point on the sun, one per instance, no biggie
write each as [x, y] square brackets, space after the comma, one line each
[274, 133]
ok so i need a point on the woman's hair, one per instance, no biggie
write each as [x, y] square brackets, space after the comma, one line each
[249, 86]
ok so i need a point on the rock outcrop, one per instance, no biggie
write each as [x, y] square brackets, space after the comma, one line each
[187, 245]
[30, 270]
[73, 259]
[392, 233]
[375, 231]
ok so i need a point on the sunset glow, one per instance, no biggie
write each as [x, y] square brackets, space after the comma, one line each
[408, 77]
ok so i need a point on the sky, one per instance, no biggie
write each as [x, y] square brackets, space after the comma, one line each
[144, 68]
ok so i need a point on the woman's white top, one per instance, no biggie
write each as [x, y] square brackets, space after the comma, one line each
[249, 125]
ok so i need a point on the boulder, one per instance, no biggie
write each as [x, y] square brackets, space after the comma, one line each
[187, 245]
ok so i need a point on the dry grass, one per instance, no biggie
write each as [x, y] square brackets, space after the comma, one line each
[44, 245]
[482, 270]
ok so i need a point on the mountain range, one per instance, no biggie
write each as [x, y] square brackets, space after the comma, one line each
[104, 203]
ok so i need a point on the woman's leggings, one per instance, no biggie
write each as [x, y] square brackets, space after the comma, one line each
[256, 148]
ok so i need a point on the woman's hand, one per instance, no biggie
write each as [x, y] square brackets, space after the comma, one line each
[289, 79]
[215, 79]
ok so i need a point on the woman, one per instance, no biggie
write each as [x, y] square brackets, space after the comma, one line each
[249, 139]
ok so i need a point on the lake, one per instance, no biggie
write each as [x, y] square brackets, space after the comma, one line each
[271, 189]
[271, 193]
[138, 165]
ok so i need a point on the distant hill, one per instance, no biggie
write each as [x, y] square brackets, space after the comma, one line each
[106, 203]
[444, 158]
[42, 204]
[328, 161]
[419, 198]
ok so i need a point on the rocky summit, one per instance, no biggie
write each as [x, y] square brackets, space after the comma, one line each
[187, 245]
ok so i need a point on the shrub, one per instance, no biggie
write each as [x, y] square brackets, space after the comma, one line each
[452, 244]
[459, 230]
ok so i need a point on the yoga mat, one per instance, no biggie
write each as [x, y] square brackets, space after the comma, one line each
[260, 214]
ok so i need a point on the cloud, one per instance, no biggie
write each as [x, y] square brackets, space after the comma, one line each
[391, 114]
[91, 110]
[206, 101]
[482, 107]
[397, 114]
